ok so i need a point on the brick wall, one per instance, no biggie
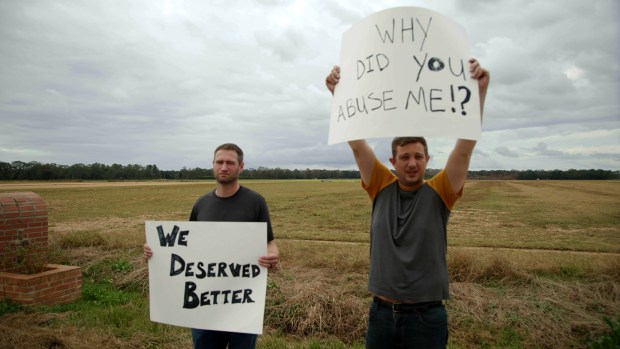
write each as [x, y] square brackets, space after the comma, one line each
[23, 230]
[23, 242]
[58, 285]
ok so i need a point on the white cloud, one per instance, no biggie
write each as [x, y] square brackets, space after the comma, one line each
[164, 82]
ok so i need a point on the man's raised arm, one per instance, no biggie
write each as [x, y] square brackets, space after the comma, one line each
[364, 156]
[458, 161]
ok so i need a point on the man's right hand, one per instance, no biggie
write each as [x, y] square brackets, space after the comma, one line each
[332, 79]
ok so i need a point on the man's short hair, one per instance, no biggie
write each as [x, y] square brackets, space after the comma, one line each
[402, 141]
[230, 146]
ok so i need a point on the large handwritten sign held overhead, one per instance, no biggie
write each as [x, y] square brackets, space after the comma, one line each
[405, 72]
[206, 274]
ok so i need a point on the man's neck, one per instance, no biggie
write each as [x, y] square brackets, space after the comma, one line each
[226, 190]
[412, 186]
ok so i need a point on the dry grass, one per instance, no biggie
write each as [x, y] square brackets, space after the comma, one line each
[555, 215]
[49, 331]
[318, 303]
[525, 261]
[544, 313]
[554, 304]
[342, 257]
[540, 299]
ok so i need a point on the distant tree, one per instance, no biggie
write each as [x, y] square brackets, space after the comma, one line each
[6, 171]
[19, 170]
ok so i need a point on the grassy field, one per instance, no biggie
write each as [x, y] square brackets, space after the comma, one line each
[533, 264]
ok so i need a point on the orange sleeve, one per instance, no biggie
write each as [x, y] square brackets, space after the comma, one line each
[380, 178]
[441, 184]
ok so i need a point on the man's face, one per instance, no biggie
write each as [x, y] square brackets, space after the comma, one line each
[410, 164]
[226, 166]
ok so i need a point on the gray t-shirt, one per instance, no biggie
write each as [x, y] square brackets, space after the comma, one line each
[244, 206]
[408, 238]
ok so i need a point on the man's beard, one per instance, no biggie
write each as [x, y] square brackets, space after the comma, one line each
[232, 177]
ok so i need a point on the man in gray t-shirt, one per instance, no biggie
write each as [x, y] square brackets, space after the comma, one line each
[408, 274]
[230, 202]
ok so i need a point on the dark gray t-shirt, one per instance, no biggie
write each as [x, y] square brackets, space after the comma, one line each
[408, 236]
[244, 206]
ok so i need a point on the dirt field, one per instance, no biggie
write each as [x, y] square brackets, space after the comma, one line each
[7, 186]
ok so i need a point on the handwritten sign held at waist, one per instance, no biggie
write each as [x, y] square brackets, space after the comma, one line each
[205, 274]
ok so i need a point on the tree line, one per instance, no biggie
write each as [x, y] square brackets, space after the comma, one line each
[19, 170]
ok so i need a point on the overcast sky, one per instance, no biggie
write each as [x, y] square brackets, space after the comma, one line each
[165, 81]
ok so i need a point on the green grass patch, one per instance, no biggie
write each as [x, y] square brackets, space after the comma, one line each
[610, 340]
[9, 306]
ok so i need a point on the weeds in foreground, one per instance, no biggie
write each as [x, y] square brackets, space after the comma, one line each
[610, 340]
[495, 302]
[9, 306]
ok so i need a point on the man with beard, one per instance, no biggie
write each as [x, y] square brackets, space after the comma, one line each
[408, 275]
[230, 202]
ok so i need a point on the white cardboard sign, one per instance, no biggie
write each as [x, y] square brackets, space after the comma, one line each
[405, 72]
[206, 274]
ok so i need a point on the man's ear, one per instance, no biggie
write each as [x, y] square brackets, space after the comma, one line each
[241, 167]
[392, 161]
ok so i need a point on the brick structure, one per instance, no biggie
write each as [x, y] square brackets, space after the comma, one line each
[23, 230]
[25, 275]
[58, 285]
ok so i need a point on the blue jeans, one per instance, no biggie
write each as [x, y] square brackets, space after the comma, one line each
[397, 329]
[207, 339]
